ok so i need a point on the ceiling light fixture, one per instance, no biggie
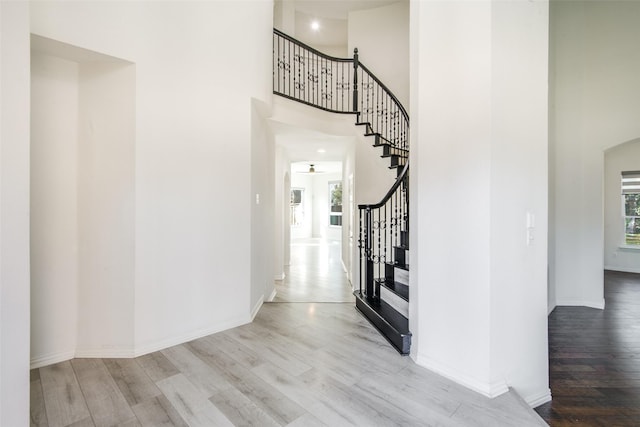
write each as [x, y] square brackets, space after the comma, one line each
[315, 25]
[321, 150]
[311, 169]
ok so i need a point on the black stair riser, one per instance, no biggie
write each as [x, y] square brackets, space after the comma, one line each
[397, 288]
[400, 255]
[404, 238]
[397, 160]
[400, 340]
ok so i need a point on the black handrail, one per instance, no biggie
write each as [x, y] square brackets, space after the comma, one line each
[304, 74]
[309, 48]
[391, 191]
[386, 89]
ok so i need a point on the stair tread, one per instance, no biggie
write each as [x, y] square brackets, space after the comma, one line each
[390, 146]
[390, 155]
[400, 266]
[393, 325]
[400, 289]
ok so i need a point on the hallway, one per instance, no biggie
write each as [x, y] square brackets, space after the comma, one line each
[315, 273]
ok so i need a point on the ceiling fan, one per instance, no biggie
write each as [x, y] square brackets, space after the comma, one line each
[312, 170]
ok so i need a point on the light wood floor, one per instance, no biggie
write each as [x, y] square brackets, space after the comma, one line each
[315, 273]
[297, 364]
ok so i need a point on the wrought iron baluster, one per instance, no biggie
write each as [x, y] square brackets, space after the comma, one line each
[355, 80]
[378, 109]
[360, 249]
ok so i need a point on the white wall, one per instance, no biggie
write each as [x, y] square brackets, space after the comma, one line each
[479, 156]
[282, 190]
[305, 229]
[519, 189]
[350, 224]
[382, 38]
[321, 227]
[54, 208]
[263, 206]
[372, 175]
[193, 132]
[82, 226]
[284, 16]
[106, 208]
[624, 157]
[14, 213]
[595, 105]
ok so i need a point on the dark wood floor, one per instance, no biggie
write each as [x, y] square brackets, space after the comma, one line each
[594, 359]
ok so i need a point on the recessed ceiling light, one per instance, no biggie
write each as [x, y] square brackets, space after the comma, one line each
[321, 150]
[315, 25]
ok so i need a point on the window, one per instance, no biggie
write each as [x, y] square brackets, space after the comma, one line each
[297, 206]
[335, 203]
[631, 207]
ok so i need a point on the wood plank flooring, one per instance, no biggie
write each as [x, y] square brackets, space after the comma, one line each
[594, 359]
[315, 273]
[298, 364]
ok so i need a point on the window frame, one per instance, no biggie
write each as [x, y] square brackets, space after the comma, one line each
[296, 207]
[332, 214]
[630, 185]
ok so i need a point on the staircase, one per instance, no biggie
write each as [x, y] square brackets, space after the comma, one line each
[346, 86]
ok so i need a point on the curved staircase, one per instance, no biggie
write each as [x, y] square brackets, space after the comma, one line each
[346, 86]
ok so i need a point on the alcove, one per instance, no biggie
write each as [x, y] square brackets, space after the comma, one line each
[82, 203]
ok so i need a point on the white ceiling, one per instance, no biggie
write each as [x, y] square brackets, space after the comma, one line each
[337, 9]
[304, 145]
[332, 32]
[320, 167]
[332, 16]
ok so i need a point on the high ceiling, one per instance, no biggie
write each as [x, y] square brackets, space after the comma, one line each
[337, 9]
[331, 15]
[302, 145]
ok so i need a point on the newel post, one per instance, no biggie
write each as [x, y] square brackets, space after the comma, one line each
[355, 80]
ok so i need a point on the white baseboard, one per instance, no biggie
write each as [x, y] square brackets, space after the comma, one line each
[622, 269]
[119, 353]
[170, 342]
[580, 303]
[272, 296]
[536, 400]
[256, 308]
[50, 359]
[106, 353]
[490, 390]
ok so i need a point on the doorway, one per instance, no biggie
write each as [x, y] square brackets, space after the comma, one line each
[316, 272]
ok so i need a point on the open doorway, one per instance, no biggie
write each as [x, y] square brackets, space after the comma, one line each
[316, 272]
[621, 207]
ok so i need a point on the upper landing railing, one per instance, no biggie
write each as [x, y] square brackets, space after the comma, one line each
[339, 85]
